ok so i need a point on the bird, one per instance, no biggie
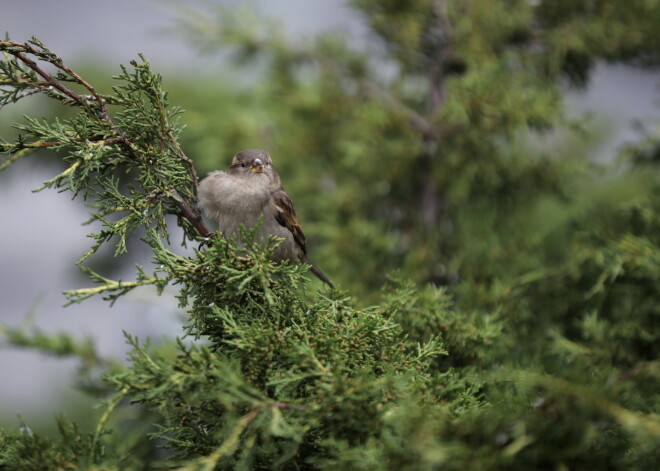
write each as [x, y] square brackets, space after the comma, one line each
[250, 189]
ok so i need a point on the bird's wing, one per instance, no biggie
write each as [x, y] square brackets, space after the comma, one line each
[286, 216]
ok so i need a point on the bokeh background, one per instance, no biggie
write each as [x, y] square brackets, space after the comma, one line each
[42, 233]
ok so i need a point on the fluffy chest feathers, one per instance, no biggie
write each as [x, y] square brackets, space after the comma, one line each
[230, 201]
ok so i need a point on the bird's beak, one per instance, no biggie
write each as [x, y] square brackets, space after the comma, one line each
[257, 166]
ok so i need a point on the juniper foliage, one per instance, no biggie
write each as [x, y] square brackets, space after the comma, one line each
[541, 351]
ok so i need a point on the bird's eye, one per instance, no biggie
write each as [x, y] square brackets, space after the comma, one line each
[243, 164]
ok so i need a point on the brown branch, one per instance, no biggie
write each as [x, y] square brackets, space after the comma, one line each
[47, 77]
[103, 111]
[193, 216]
[16, 49]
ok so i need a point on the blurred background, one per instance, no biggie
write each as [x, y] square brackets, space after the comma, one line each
[523, 120]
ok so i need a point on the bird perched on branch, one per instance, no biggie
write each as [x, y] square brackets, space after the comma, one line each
[251, 188]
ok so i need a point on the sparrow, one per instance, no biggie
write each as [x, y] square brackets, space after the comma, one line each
[248, 190]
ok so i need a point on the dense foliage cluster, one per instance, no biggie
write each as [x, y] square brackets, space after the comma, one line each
[499, 308]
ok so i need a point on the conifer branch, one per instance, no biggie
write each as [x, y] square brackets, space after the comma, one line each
[26, 73]
[78, 295]
[14, 48]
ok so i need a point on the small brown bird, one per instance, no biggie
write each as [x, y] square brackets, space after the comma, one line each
[249, 189]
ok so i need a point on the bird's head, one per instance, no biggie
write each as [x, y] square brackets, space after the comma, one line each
[251, 162]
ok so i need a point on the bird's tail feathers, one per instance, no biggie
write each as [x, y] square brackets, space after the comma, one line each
[321, 276]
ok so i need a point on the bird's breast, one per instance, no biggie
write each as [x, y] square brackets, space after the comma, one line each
[230, 202]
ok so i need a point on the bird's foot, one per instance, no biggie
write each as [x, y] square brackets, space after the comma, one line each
[207, 241]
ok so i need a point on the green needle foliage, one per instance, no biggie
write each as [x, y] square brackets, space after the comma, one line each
[521, 330]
